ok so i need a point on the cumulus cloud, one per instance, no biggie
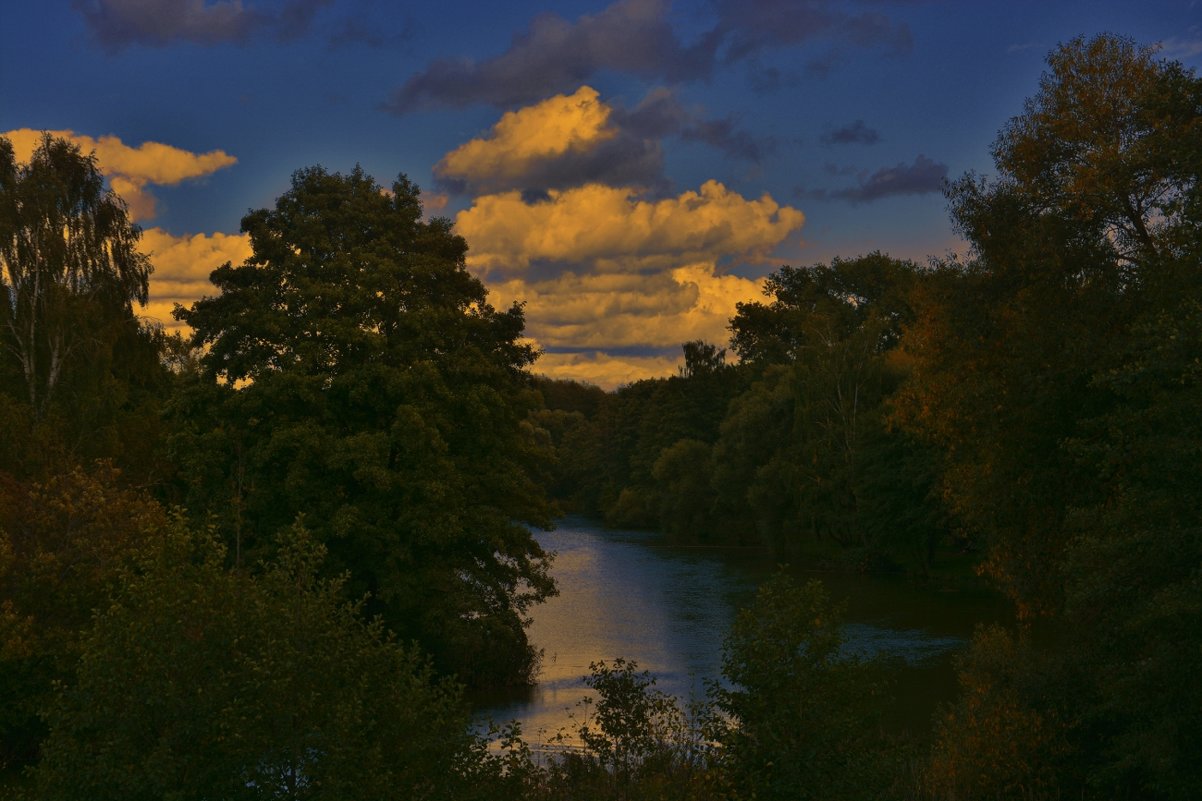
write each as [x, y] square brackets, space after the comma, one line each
[574, 139]
[117, 24]
[923, 176]
[608, 312]
[635, 37]
[606, 370]
[603, 270]
[852, 133]
[562, 141]
[611, 230]
[131, 169]
[182, 265]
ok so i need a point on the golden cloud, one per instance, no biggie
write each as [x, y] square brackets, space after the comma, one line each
[130, 169]
[616, 311]
[547, 130]
[604, 370]
[182, 265]
[611, 230]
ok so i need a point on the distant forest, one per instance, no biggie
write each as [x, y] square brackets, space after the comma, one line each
[264, 561]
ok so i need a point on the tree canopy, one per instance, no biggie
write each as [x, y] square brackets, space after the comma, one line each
[69, 263]
[356, 374]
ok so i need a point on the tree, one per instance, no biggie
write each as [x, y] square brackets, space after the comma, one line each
[840, 297]
[356, 373]
[1058, 373]
[1109, 142]
[1083, 230]
[63, 544]
[69, 264]
[800, 709]
[201, 682]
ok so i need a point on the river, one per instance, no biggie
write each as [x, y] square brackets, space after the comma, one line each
[668, 608]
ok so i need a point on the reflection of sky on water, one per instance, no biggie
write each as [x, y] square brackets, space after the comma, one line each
[667, 609]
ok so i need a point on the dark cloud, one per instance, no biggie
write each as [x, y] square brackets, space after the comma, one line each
[117, 24]
[748, 27]
[725, 135]
[532, 196]
[923, 177]
[661, 114]
[630, 36]
[634, 37]
[357, 31]
[852, 133]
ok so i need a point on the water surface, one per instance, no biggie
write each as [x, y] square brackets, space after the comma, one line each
[627, 594]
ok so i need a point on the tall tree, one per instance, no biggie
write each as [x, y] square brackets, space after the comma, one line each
[69, 263]
[200, 682]
[356, 374]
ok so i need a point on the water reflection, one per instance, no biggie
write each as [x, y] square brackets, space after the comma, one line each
[623, 594]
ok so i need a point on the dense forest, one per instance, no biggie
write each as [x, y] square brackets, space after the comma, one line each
[264, 561]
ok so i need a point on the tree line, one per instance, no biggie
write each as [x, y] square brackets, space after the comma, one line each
[261, 561]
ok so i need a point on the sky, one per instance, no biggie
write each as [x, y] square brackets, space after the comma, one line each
[628, 170]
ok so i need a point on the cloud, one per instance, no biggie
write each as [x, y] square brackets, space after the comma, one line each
[117, 24]
[852, 133]
[182, 265]
[922, 177]
[748, 27]
[601, 269]
[605, 370]
[608, 312]
[574, 139]
[635, 37]
[131, 169]
[1021, 47]
[1180, 48]
[562, 141]
[553, 55]
[611, 230]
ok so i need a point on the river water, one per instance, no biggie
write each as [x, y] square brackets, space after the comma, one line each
[668, 608]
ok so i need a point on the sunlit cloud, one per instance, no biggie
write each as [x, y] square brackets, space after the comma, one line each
[569, 140]
[607, 312]
[605, 271]
[546, 130]
[609, 229]
[181, 268]
[131, 169]
[605, 370]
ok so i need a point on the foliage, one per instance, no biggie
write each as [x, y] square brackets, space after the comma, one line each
[995, 741]
[63, 543]
[357, 374]
[202, 682]
[800, 709]
[78, 370]
[807, 453]
[1058, 374]
[69, 266]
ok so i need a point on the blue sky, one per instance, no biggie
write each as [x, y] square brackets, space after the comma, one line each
[630, 170]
